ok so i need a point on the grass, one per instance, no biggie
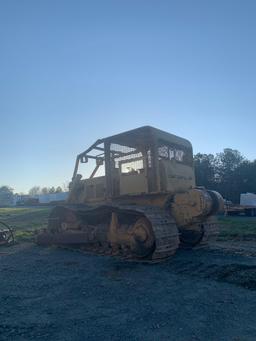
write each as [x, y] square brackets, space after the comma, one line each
[25, 236]
[25, 221]
[237, 228]
[17, 211]
[13, 211]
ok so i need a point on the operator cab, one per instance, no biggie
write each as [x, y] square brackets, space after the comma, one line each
[141, 161]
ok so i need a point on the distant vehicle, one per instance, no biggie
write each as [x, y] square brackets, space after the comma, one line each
[247, 206]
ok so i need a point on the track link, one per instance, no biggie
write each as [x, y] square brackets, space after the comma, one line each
[211, 230]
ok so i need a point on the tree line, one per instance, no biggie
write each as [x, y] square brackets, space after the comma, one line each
[7, 193]
[228, 173]
[37, 190]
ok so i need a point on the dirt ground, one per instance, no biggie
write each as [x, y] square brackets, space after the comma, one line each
[202, 294]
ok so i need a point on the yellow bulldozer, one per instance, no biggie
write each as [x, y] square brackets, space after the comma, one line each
[133, 195]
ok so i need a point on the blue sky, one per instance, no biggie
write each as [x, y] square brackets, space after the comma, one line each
[74, 71]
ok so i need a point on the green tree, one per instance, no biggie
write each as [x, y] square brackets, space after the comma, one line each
[58, 189]
[228, 172]
[6, 196]
[245, 177]
[205, 170]
[228, 161]
[227, 164]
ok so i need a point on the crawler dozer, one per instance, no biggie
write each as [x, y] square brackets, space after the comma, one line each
[136, 199]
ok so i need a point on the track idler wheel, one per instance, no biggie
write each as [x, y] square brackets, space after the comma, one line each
[136, 240]
[143, 241]
[192, 236]
[199, 233]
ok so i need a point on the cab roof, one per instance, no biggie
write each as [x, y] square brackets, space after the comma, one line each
[145, 135]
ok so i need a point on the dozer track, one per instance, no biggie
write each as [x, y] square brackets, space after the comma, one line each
[211, 230]
[201, 233]
[129, 232]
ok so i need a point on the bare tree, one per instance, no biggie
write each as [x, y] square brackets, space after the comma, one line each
[65, 186]
[52, 190]
[34, 191]
[44, 190]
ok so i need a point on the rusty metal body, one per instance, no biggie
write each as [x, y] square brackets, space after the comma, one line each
[139, 200]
